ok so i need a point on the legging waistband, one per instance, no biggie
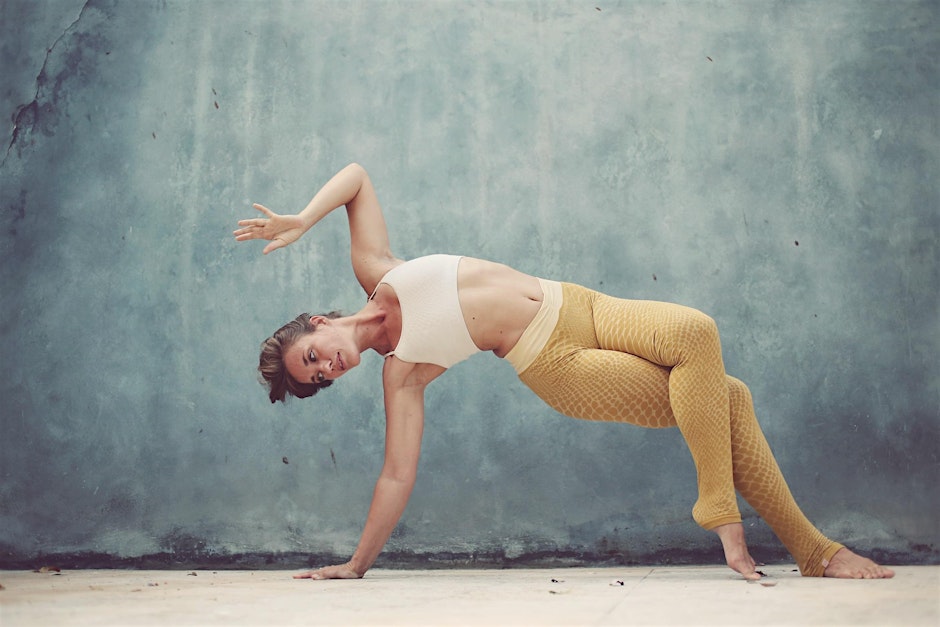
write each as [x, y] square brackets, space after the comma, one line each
[535, 336]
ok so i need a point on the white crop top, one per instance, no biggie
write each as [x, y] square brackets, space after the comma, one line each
[433, 329]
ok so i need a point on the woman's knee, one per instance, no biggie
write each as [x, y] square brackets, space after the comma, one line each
[741, 405]
[739, 393]
[702, 323]
[698, 330]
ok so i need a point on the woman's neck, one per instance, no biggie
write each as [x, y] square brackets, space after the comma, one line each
[371, 329]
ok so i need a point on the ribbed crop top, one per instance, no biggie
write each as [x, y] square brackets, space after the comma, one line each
[433, 329]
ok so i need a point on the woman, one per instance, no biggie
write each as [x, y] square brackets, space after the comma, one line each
[586, 354]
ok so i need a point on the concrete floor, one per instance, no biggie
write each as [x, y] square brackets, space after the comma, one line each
[567, 596]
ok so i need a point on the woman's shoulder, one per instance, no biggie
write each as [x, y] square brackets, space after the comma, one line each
[371, 276]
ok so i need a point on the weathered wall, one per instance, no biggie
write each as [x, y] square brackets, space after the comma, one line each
[772, 163]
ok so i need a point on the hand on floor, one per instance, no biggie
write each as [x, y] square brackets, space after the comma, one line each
[342, 571]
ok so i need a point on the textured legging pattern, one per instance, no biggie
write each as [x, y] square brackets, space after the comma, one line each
[659, 365]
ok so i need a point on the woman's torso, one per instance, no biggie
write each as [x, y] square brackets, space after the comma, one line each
[497, 303]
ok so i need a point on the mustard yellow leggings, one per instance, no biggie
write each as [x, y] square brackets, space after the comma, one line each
[659, 365]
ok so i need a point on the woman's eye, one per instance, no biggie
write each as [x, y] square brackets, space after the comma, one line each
[320, 377]
[312, 356]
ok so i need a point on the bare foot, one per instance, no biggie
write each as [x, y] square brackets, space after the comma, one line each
[848, 565]
[736, 553]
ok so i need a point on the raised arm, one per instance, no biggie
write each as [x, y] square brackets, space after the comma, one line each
[404, 425]
[369, 246]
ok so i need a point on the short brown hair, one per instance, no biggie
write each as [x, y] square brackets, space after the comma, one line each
[274, 374]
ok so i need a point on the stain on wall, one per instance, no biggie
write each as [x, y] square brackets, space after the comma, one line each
[772, 163]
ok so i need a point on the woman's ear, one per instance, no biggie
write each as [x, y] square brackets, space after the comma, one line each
[316, 321]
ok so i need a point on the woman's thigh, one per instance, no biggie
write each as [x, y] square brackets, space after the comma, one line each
[660, 332]
[608, 385]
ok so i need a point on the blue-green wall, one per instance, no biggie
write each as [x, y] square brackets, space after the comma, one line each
[772, 163]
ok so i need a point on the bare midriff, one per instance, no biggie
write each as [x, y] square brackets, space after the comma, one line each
[497, 303]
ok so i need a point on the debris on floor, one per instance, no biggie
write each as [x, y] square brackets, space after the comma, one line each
[517, 597]
[562, 590]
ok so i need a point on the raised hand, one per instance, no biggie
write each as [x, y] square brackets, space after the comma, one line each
[280, 230]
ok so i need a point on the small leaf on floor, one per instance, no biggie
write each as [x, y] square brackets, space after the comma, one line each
[48, 569]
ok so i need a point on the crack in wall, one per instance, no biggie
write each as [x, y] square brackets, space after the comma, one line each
[26, 114]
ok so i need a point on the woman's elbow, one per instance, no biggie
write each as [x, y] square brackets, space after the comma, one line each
[402, 474]
[356, 169]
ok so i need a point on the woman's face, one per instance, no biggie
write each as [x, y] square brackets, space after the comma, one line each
[323, 355]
